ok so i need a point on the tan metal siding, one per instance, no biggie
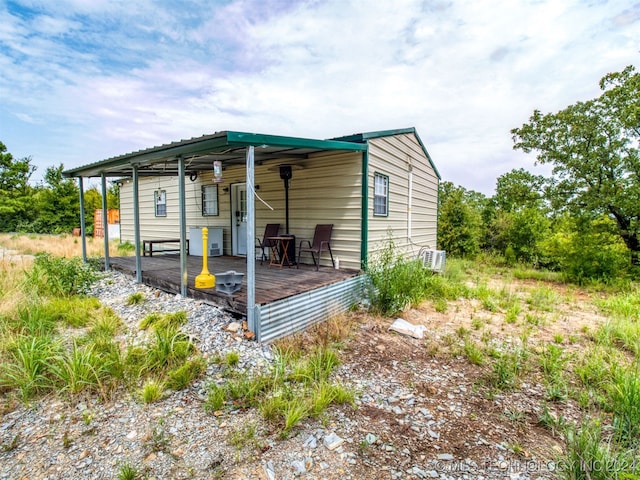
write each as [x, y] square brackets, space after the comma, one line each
[324, 189]
[169, 227]
[392, 156]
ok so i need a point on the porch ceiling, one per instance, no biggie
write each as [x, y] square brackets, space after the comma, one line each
[200, 152]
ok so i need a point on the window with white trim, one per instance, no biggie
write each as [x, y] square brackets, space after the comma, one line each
[160, 202]
[209, 200]
[380, 195]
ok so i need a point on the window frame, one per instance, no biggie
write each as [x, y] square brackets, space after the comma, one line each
[160, 198]
[203, 190]
[376, 176]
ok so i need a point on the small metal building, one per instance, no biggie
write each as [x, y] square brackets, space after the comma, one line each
[368, 185]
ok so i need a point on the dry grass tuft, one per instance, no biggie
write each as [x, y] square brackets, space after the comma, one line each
[65, 246]
[11, 277]
[333, 331]
[16, 256]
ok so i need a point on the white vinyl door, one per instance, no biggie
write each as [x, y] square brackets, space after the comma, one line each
[239, 218]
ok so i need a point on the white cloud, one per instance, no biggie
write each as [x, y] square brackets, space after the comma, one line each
[109, 77]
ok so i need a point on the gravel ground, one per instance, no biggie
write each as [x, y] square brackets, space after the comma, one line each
[417, 417]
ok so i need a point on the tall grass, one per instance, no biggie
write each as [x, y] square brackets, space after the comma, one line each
[507, 369]
[28, 366]
[79, 369]
[11, 276]
[590, 457]
[624, 396]
[65, 246]
[625, 305]
[597, 365]
[620, 332]
[543, 298]
[57, 340]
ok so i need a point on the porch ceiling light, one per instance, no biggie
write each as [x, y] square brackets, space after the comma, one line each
[217, 172]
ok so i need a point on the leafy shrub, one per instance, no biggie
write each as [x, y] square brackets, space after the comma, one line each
[57, 276]
[396, 282]
[587, 252]
[126, 247]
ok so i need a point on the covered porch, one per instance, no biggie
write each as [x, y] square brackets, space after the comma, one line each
[238, 154]
[272, 283]
[287, 300]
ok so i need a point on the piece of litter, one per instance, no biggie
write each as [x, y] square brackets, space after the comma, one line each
[400, 325]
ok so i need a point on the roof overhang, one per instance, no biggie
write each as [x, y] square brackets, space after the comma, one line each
[364, 137]
[199, 153]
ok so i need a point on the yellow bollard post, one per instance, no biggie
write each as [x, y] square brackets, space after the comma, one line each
[205, 279]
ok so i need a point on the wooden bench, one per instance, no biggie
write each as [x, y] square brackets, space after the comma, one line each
[147, 246]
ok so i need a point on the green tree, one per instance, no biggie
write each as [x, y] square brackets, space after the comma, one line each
[594, 149]
[519, 189]
[113, 196]
[459, 220]
[92, 202]
[15, 192]
[519, 216]
[524, 231]
[58, 204]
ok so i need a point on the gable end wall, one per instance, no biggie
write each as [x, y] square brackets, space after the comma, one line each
[392, 156]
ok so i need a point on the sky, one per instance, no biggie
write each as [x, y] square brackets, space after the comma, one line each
[84, 80]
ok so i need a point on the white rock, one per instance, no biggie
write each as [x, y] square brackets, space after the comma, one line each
[310, 442]
[268, 470]
[332, 441]
[233, 327]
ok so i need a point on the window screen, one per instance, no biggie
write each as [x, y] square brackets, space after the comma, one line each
[380, 195]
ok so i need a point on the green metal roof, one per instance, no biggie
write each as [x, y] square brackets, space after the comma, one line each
[364, 137]
[199, 152]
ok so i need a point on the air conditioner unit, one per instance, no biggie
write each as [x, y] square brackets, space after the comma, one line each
[433, 259]
[214, 241]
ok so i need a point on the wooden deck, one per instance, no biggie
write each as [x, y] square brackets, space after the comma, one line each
[272, 283]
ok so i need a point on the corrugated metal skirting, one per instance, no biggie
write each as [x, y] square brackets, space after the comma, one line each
[293, 314]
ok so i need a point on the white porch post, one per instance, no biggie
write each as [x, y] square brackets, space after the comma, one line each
[252, 321]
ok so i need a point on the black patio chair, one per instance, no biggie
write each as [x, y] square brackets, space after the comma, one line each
[321, 242]
[271, 230]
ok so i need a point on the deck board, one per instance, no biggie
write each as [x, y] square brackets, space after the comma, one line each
[272, 283]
